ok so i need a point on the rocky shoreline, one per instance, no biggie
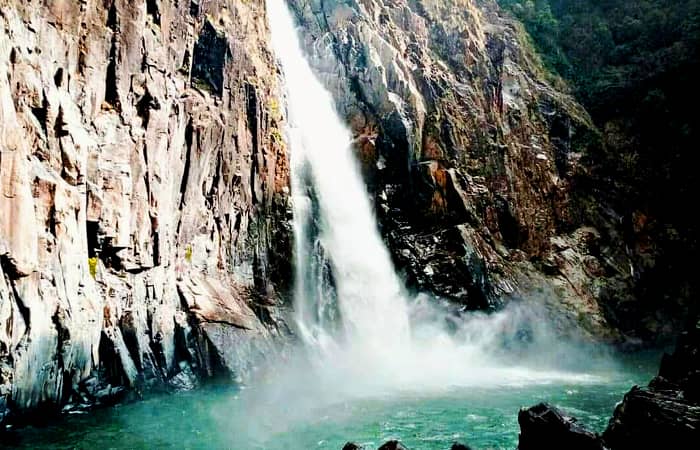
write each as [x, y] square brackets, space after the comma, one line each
[665, 414]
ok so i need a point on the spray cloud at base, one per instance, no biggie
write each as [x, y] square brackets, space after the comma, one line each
[361, 334]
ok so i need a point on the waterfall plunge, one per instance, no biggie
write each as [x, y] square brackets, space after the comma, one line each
[337, 227]
[351, 309]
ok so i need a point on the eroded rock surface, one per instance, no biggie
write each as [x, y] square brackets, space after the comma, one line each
[144, 229]
[472, 156]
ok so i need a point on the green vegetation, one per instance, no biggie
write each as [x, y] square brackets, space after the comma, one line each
[612, 46]
[634, 65]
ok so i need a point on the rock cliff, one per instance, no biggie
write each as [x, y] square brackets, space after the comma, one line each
[144, 234]
[473, 158]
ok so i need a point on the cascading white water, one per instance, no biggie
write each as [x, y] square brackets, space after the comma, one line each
[352, 311]
[333, 216]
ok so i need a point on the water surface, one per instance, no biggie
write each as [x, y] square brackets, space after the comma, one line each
[225, 418]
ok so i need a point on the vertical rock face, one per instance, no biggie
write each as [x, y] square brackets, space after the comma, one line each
[143, 212]
[472, 156]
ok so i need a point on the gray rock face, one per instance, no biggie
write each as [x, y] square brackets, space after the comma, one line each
[471, 154]
[144, 204]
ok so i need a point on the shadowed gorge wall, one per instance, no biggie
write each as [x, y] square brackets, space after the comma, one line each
[634, 66]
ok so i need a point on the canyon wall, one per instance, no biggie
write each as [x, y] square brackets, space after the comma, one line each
[476, 162]
[145, 235]
[144, 216]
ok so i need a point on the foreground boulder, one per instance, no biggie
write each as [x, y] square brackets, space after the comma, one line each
[460, 446]
[666, 414]
[352, 446]
[393, 445]
[544, 427]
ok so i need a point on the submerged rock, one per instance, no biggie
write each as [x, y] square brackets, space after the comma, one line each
[460, 446]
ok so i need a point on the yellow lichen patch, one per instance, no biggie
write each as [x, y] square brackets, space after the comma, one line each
[92, 266]
[188, 253]
[274, 107]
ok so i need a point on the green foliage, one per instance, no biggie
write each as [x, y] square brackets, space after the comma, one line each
[635, 66]
[544, 28]
[605, 47]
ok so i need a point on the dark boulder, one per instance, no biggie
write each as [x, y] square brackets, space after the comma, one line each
[667, 413]
[681, 370]
[654, 419]
[544, 427]
[393, 445]
[460, 446]
[352, 446]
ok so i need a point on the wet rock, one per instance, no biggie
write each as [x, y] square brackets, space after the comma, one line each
[352, 446]
[544, 427]
[666, 414]
[393, 445]
[185, 380]
[648, 418]
[471, 155]
[459, 446]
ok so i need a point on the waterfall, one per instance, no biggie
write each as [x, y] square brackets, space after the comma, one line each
[352, 313]
[346, 283]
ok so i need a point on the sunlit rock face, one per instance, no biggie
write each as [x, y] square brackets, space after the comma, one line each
[473, 157]
[144, 212]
